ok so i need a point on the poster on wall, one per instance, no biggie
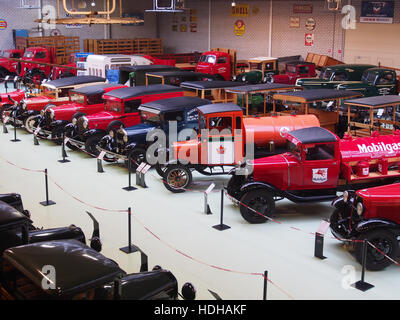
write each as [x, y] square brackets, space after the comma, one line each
[377, 11]
[183, 28]
[309, 39]
[3, 24]
[240, 28]
[302, 8]
[310, 24]
[240, 10]
[294, 22]
[193, 27]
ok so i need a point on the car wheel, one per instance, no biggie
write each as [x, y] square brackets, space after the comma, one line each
[177, 178]
[137, 156]
[91, 143]
[385, 241]
[29, 124]
[256, 206]
[160, 169]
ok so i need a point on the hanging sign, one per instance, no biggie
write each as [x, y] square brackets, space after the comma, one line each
[3, 24]
[240, 10]
[240, 27]
[309, 39]
[302, 8]
[377, 11]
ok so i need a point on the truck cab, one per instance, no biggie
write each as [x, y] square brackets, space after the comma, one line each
[260, 69]
[7, 66]
[293, 71]
[36, 72]
[217, 63]
[374, 82]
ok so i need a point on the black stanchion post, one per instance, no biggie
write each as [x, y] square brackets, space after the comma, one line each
[319, 246]
[63, 152]
[4, 127]
[130, 187]
[35, 140]
[100, 166]
[130, 248]
[47, 202]
[362, 285]
[265, 285]
[222, 226]
[15, 130]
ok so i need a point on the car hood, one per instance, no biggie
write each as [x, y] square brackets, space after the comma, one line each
[73, 107]
[104, 115]
[140, 129]
[388, 192]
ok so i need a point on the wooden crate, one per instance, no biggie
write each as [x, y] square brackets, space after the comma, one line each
[321, 60]
[124, 46]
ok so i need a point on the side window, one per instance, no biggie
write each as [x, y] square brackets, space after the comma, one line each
[220, 123]
[303, 70]
[40, 55]
[16, 55]
[238, 123]
[132, 105]
[321, 152]
[339, 76]
[221, 60]
[386, 78]
[96, 99]
[174, 116]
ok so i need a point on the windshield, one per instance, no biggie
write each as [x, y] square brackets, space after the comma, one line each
[113, 106]
[78, 98]
[326, 74]
[28, 54]
[292, 148]
[208, 59]
[368, 77]
[203, 121]
[150, 117]
[291, 69]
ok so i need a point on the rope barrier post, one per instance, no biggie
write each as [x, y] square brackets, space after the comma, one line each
[100, 162]
[35, 140]
[129, 187]
[207, 209]
[130, 248]
[265, 285]
[63, 152]
[141, 173]
[362, 285]
[222, 226]
[5, 130]
[47, 202]
[15, 130]
[319, 240]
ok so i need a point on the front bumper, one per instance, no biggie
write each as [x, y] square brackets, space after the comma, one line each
[111, 154]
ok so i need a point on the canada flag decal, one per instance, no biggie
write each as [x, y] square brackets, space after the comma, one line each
[320, 175]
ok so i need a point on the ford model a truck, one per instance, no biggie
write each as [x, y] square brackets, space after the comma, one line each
[317, 166]
[83, 101]
[221, 142]
[371, 214]
[7, 66]
[261, 69]
[294, 70]
[331, 76]
[71, 270]
[221, 64]
[133, 142]
[53, 92]
[175, 78]
[121, 110]
[136, 75]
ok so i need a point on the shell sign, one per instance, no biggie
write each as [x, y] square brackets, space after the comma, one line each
[240, 27]
[3, 24]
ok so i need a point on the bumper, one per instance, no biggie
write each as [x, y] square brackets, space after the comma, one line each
[112, 154]
[76, 143]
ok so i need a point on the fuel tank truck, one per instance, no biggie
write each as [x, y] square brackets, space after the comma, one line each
[225, 139]
[317, 166]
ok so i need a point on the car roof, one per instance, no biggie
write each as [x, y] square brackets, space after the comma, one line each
[219, 107]
[316, 95]
[350, 66]
[205, 85]
[132, 92]
[261, 87]
[173, 104]
[311, 135]
[151, 67]
[78, 267]
[9, 216]
[97, 89]
[70, 81]
[180, 73]
[375, 101]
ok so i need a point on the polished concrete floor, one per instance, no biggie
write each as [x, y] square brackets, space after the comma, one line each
[175, 232]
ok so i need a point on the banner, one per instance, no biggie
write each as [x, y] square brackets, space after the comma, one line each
[377, 11]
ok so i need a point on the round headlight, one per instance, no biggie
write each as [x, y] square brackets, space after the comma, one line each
[111, 134]
[42, 112]
[23, 103]
[234, 78]
[345, 196]
[85, 123]
[51, 114]
[74, 121]
[360, 208]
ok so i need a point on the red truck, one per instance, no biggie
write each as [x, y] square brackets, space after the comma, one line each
[9, 67]
[83, 101]
[121, 110]
[294, 70]
[371, 214]
[318, 165]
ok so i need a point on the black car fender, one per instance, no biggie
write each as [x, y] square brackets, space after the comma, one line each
[29, 113]
[58, 124]
[93, 132]
[130, 147]
[376, 223]
[253, 185]
[71, 232]
[339, 203]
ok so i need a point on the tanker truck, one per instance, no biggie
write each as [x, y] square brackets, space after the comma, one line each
[224, 138]
[317, 166]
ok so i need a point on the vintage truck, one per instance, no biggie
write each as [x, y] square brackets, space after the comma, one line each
[121, 110]
[218, 62]
[223, 138]
[7, 66]
[133, 141]
[70, 270]
[16, 227]
[331, 76]
[83, 101]
[293, 70]
[175, 78]
[53, 92]
[136, 75]
[371, 214]
[318, 165]
[260, 70]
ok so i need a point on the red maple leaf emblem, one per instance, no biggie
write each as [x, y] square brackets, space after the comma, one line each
[221, 150]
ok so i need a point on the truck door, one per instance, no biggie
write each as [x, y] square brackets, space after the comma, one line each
[223, 67]
[131, 115]
[321, 166]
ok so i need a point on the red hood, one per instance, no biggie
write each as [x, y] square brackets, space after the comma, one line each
[73, 107]
[389, 192]
[102, 119]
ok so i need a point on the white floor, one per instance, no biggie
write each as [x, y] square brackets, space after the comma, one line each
[170, 227]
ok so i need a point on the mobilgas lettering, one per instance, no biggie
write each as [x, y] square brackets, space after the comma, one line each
[380, 147]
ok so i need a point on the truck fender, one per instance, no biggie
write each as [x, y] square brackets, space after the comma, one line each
[376, 223]
[259, 185]
[93, 132]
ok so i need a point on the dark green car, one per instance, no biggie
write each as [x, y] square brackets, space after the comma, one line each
[374, 82]
[332, 76]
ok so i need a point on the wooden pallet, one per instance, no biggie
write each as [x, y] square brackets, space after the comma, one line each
[124, 46]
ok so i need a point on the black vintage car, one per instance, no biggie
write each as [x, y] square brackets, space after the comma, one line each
[133, 142]
[17, 229]
[70, 270]
[136, 75]
[176, 77]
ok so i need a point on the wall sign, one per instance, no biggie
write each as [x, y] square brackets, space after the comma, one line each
[377, 11]
[240, 27]
[294, 22]
[310, 24]
[240, 10]
[302, 8]
[309, 39]
[3, 24]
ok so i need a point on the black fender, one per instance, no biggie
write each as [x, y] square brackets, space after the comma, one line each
[70, 130]
[58, 124]
[13, 199]
[107, 143]
[71, 232]
[29, 113]
[376, 223]
[339, 203]
[93, 132]
[253, 185]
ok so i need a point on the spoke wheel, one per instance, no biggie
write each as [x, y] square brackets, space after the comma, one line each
[177, 178]
[256, 206]
[29, 124]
